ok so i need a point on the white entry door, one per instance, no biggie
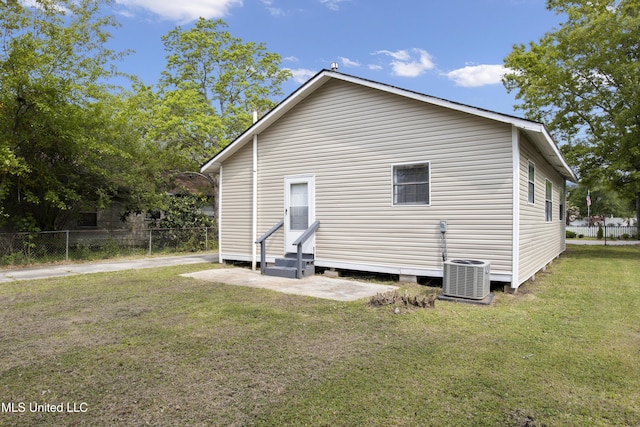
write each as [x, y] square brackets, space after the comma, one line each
[299, 211]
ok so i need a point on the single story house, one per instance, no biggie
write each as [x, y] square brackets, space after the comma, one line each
[116, 216]
[398, 181]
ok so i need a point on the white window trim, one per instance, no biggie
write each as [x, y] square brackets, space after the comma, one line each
[550, 200]
[562, 205]
[531, 182]
[425, 162]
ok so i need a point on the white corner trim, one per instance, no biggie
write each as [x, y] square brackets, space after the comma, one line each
[515, 238]
[220, 256]
[254, 202]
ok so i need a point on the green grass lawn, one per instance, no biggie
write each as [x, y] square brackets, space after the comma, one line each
[150, 347]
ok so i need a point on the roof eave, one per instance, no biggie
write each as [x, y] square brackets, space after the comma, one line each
[547, 146]
[538, 131]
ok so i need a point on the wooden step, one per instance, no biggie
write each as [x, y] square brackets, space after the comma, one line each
[288, 266]
[279, 271]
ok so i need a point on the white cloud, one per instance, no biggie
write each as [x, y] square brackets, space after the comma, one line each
[125, 13]
[374, 67]
[400, 55]
[332, 4]
[477, 75]
[292, 59]
[34, 4]
[348, 62]
[411, 63]
[274, 11]
[301, 75]
[185, 10]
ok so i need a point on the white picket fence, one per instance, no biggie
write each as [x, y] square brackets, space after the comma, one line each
[609, 231]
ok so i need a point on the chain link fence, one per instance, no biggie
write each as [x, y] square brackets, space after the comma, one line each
[73, 245]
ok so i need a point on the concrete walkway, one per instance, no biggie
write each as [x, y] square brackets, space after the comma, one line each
[316, 286]
[63, 270]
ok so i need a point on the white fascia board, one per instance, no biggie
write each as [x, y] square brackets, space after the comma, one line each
[528, 126]
[547, 146]
[521, 123]
[571, 175]
[317, 81]
[323, 76]
[211, 166]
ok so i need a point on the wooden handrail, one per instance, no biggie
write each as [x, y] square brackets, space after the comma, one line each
[270, 232]
[263, 250]
[308, 233]
[299, 241]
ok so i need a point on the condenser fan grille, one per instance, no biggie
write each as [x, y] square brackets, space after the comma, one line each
[466, 278]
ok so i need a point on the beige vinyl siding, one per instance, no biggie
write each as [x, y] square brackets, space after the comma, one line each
[236, 205]
[349, 137]
[540, 241]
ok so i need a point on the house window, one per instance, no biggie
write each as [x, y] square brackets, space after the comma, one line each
[532, 183]
[152, 215]
[88, 219]
[411, 184]
[561, 213]
[548, 201]
[208, 210]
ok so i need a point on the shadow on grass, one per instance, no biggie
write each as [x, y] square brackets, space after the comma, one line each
[604, 252]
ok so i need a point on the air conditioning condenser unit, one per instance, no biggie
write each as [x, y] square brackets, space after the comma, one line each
[467, 278]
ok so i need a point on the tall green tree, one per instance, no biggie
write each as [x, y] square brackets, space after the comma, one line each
[604, 201]
[61, 142]
[212, 83]
[583, 80]
[10, 168]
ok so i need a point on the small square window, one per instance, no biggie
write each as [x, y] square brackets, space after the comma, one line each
[411, 184]
[88, 219]
[152, 215]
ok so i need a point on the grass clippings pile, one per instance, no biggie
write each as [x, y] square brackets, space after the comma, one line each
[396, 299]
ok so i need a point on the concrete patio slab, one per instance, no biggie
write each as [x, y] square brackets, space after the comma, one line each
[314, 286]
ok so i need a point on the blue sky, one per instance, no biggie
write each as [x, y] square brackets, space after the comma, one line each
[453, 49]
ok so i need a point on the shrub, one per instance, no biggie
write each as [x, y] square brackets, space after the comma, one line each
[625, 236]
[600, 234]
[570, 234]
[580, 236]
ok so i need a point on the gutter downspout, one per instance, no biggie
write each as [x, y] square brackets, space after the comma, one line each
[254, 208]
[515, 238]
